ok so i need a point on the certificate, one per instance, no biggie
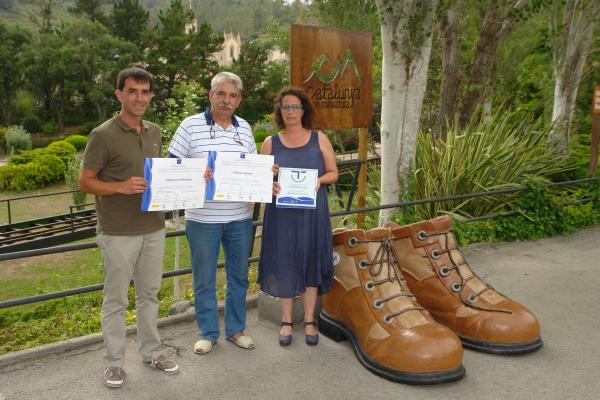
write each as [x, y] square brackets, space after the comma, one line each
[174, 183]
[240, 177]
[298, 188]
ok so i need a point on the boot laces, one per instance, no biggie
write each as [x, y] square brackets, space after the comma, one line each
[386, 255]
[466, 300]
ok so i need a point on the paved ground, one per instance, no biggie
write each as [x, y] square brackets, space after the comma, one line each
[557, 278]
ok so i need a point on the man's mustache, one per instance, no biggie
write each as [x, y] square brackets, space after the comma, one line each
[226, 106]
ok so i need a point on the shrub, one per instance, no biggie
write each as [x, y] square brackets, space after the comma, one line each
[50, 127]
[89, 126]
[17, 138]
[26, 156]
[262, 130]
[32, 124]
[43, 170]
[72, 180]
[78, 141]
[65, 151]
[485, 156]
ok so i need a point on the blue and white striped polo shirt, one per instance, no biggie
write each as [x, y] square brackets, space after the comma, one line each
[195, 137]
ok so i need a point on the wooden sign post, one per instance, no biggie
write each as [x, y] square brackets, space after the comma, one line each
[333, 66]
[595, 129]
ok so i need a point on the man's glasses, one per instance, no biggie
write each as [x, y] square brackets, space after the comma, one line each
[291, 107]
[236, 137]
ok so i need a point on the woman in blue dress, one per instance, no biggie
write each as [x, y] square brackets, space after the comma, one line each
[296, 251]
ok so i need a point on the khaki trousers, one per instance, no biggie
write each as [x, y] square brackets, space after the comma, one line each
[139, 257]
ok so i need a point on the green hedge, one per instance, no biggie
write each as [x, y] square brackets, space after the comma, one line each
[34, 169]
[78, 141]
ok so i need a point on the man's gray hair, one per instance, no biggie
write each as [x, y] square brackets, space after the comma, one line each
[226, 77]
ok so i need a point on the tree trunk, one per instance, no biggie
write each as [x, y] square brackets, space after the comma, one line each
[494, 29]
[450, 77]
[406, 39]
[570, 53]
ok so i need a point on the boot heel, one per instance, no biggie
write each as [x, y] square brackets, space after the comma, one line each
[330, 330]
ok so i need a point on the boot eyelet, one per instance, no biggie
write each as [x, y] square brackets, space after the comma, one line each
[352, 241]
[377, 304]
[456, 286]
[363, 264]
[387, 319]
[435, 254]
[369, 286]
[471, 299]
[422, 235]
[444, 271]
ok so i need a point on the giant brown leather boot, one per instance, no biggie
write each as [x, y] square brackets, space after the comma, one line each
[445, 285]
[370, 305]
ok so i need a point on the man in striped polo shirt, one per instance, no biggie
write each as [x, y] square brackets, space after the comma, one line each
[226, 223]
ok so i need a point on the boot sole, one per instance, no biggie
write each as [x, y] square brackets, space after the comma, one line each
[338, 332]
[501, 348]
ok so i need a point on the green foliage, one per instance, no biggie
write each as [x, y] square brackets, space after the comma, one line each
[343, 140]
[579, 156]
[483, 156]
[541, 213]
[43, 170]
[78, 141]
[17, 138]
[13, 45]
[263, 129]
[129, 21]
[65, 151]
[186, 101]
[32, 124]
[72, 180]
[176, 55]
[2, 139]
[34, 169]
[50, 127]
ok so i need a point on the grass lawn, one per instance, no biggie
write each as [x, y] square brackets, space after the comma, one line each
[54, 320]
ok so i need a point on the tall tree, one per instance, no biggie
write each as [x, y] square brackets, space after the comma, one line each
[448, 30]
[176, 55]
[129, 21]
[572, 27]
[13, 46]
[251, 68]
[91, 9]
[406, 30]
[101, 57]
[498, 21]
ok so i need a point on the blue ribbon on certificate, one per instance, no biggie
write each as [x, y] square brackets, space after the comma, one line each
[147, 195]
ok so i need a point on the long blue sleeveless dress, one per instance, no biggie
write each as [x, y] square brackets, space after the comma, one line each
[296, 249]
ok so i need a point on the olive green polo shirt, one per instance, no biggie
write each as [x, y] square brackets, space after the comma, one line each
[117, 153]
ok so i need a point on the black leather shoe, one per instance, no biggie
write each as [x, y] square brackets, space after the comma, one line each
[311, 340]
[286, 340]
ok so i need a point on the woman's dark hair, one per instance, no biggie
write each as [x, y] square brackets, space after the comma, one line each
[307, 107]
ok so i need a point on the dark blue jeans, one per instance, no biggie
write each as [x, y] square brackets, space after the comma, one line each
[205, 240]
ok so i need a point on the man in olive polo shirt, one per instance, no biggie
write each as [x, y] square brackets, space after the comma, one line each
[132, 242]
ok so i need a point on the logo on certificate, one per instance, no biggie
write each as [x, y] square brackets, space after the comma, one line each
[298, 176]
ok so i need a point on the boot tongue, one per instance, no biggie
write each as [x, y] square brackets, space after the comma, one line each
[378, 233]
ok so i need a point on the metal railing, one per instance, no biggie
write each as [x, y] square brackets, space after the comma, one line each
[256, 223]
[13, 199]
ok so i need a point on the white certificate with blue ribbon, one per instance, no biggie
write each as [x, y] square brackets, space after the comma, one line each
[298, 188]
[174, 183]
[239, 176]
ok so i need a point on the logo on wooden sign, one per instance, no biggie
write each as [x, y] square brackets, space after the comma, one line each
[334, 68]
